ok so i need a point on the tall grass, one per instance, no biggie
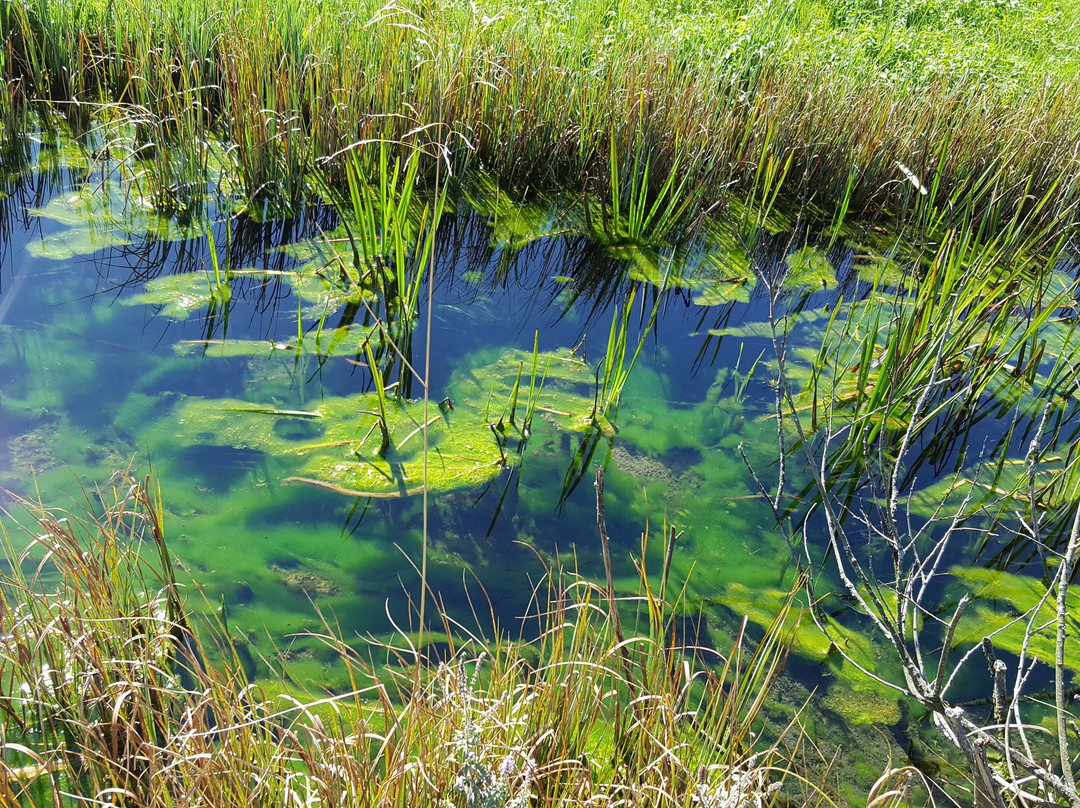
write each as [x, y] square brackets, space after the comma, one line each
[966, 335]
[109, 696]
[544, 95]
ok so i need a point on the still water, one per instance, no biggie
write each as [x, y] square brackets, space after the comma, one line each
[205, 354]
[93, 380]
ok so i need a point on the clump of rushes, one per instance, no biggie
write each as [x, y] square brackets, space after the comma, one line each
[970, 332]
[977, 101]
[109, 696]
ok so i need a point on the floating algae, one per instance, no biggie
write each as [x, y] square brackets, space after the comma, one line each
[713, 277]
[346, 340]
[1003, 608]
[809, 268]
[514, 225]
[880, 270]
[102, 215]
[716, 271]
[469, 443]
[181, 295]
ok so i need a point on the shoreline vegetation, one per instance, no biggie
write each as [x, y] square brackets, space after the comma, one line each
[953, 124]
[112, 695]
[877, 111]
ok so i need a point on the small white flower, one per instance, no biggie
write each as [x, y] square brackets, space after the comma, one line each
[530, 770]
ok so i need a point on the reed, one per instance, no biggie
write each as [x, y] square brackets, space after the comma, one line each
[972, 328]
[109, 695]
[535, 387]
[630, 100]
[391, 231]
[380, 392]
[613, 371]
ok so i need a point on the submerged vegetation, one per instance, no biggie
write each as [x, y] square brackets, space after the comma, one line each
[875, 201]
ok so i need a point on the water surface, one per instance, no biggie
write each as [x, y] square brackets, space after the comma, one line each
[97, 375]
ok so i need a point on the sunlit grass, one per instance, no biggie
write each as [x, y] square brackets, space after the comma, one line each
[111, 692]
[977, 101]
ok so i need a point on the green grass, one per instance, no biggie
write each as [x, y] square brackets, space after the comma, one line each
[976, 99]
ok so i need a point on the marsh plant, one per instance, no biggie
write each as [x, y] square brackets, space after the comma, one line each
[115, 692]
[652, 107]
[390, 231]
[897, 500]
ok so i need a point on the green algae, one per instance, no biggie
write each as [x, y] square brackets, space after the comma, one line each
[348, 340]
[761, 604]
[712, 278]
[103, 215]
[513, 225]
[809, 268]
[1005, 605]
[679, 457]
[880, 270]
[59, 150]
[860, 705]
[715, 271]
[181, 295]
[470, 442]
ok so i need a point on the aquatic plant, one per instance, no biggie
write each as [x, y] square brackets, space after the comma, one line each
[613, 372]
[391, 235]
[973, 327]
[634, 213]
[972, 332]
[379, 388]
[113, 690]
[536, 389]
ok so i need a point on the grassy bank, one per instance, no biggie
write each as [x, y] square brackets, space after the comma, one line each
[857, 107]
[113, 694]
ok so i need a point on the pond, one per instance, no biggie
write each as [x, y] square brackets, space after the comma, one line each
[232, 360]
